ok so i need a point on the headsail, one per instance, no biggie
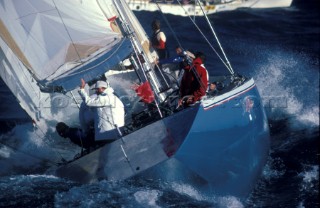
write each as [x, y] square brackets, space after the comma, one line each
[60, 41]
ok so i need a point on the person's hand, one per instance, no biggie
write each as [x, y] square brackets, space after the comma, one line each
[190, 99]
[180, 102]
[83, 84]
[135, 86]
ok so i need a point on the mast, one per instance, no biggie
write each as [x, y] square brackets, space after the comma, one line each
[142, 62]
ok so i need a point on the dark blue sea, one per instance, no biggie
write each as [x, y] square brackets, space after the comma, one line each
[279, 48]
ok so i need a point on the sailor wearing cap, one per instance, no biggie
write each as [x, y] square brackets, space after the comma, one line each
[108, 110]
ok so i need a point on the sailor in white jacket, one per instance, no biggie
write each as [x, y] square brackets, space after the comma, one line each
[108, 110]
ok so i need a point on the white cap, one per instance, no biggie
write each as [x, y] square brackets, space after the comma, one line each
[100, 84]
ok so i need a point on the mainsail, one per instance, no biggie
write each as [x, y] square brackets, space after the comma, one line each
[60, 41]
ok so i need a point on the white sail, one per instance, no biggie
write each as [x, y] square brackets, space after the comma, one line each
[47, 46]
[60, 41]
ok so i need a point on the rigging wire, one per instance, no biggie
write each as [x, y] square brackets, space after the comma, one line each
[216, 37]
[195, 24]
[136, 47]
[167, 22]
[174, 34]
[74, 99]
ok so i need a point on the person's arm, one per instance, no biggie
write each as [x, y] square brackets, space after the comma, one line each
[97, 101]
[201, 91]
[172, 60]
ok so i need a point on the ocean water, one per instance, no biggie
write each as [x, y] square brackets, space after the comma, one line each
[279, 48]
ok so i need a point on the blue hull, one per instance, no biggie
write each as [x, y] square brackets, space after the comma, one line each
[218, 146]
[225, 149]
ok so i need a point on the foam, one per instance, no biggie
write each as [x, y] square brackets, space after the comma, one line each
[187, 190]
[288, 89]
[5, 152]
[310, 177]
[229, 202]
[29, 148]
[147, 198]
[274, 169]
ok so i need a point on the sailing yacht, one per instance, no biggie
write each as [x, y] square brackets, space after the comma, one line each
[192, 7]
[218, 145]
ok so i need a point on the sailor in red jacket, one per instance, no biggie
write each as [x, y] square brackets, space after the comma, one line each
[194, 82]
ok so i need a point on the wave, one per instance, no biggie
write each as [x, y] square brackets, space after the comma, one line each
[288, 83]
[27, 149]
